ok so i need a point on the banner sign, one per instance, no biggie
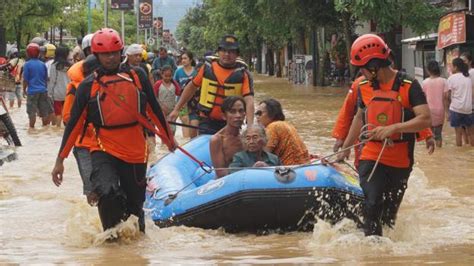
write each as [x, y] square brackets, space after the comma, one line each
[158, 26]
[122, 4]
[452, 29]
[145, 14]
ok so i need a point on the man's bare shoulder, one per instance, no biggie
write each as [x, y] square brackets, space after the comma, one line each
[216, 138]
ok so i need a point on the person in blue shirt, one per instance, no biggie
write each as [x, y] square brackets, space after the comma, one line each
[162, 60]
[35, 76]
[183, 75]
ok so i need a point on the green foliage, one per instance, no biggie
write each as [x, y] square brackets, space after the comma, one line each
[191, 30]
[418, 15]
[274, 22]
[24, 19]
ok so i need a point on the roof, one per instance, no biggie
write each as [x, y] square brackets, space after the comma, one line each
[429, 37]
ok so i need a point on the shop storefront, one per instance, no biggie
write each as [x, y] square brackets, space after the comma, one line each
[455, 36]
[424, 51]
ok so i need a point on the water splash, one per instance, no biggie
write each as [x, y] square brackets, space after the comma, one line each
[83, 228]
[422, 226]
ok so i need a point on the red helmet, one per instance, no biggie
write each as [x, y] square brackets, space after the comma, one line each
[33, 50]
[367, 47]
[106, 40]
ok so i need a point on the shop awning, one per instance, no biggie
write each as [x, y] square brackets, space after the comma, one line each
[428, 37]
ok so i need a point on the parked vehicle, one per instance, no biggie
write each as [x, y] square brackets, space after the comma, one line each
[7, 133]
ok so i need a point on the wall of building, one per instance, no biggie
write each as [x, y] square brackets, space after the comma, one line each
[408, 52]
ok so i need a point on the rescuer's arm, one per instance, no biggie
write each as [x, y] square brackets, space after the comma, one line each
[73, 129]
[250, 109]
[352, 136]
[187, 94]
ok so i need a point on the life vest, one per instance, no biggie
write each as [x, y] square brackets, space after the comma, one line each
[383, 108]
[211, 90]
[104, 112]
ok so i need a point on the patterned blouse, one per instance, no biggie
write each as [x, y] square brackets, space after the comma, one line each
[284, 141]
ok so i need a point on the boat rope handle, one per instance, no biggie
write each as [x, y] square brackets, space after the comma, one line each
[172, 197]
[204, 166]
[378, 159]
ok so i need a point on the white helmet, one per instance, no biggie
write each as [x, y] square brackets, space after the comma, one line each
[134, 48]
[12, 51]
[39, 40]
[87, 41]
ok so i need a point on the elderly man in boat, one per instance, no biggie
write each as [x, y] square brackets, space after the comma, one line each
[254, 153]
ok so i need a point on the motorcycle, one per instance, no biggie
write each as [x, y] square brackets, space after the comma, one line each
[7, 128]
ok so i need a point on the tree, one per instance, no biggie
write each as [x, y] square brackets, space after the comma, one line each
[25, 17]
[191, 29]
[418, 15]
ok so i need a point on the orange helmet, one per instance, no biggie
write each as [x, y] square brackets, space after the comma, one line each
[33, 50]
[368, 47]
[106, 40]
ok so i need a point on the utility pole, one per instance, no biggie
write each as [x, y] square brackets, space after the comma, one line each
[106, 13]
[123, 26]
[89, 19]
[138, 27]
[146, 35]
[315, 56]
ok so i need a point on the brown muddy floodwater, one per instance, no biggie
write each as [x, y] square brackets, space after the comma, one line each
[40, 223]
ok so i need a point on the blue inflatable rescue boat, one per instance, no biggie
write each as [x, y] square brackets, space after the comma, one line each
[250, 200]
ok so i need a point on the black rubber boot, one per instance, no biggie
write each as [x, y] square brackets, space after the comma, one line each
[372, 222]
[112, 210]
[141, 222]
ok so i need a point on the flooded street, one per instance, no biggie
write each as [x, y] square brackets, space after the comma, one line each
[40, 223]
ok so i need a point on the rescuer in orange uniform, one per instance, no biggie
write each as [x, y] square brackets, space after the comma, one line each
[392, 107]
[76, 74]
[346, 115]
[114, 99]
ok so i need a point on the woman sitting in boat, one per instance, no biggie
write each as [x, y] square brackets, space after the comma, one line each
[283, 140]
[226, 142]
[254, 154]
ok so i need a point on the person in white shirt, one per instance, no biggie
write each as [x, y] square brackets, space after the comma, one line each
[467, 58]
[459, 100]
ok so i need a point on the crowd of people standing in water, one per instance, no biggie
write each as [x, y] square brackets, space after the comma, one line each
[114, 99]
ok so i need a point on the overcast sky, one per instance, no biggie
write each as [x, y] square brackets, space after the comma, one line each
[172, 11]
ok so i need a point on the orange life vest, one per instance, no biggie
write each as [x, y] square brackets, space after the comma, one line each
[388, 107]
[385, 107]
[105, 112]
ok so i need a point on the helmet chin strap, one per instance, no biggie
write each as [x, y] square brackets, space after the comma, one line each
[375, 82]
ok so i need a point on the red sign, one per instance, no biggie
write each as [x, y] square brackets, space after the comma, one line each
[158, 26]
[145, 14]
[452, 30]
